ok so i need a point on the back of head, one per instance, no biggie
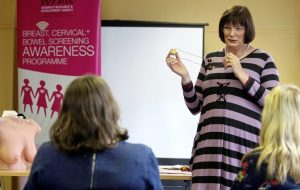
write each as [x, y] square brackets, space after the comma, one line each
[89, 117]
[280, 133]
[238, 15]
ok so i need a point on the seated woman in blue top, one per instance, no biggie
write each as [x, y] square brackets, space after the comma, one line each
[88, 148]
[275, 164]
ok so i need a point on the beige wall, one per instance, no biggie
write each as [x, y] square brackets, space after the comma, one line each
[277, 28]
[276, 21]
[7, 53]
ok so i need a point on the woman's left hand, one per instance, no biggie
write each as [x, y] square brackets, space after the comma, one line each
[231, 60]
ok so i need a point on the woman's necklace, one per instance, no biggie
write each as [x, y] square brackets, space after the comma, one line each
[241, 55]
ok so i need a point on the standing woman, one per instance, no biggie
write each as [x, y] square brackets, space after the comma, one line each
[229, 92]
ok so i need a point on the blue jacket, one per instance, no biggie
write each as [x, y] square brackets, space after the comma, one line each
[127, 166]
[249, 178]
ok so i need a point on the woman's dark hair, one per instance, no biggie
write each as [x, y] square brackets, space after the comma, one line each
[89, 117]
[238, 15]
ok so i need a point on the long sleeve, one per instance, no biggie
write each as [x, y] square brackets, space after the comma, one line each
[193, 95]
[268, 79]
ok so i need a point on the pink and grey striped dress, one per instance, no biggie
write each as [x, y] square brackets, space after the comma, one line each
[230, 116]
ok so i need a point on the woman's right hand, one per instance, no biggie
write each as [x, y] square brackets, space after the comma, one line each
[176, 65]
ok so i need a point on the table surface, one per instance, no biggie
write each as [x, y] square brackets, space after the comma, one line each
[8, 173]
[164, 175]
[169, 172]
[183, 177]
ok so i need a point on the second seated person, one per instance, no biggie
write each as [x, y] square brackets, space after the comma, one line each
[87, 148]
[274, 164]
[229, 92]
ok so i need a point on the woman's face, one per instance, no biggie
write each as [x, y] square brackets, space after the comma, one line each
[234, 35]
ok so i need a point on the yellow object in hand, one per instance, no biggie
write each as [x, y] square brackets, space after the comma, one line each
[173, 51]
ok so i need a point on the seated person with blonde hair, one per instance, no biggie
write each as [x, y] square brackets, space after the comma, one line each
[87, 148]
[275, 163]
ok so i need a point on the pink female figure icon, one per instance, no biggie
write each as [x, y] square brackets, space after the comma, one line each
[28, 93]
[58, 96]
[42, 93]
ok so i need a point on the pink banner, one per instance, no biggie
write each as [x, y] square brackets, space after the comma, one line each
[59, 36]
[58, 40]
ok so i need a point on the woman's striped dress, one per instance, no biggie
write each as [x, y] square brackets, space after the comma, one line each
[230, 116]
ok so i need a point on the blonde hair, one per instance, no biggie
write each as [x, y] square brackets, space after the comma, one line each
[89, 117]
[280, 134]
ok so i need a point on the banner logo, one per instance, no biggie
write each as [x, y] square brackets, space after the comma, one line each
[42, 25]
